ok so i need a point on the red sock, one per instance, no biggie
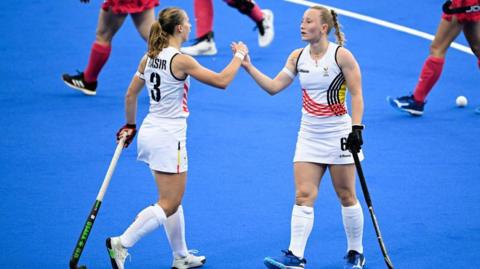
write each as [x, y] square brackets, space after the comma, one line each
[428, 77]
[203, 16]
[255, 14]
[98, 57]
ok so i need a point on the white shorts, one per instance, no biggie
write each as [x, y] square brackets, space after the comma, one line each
[324, 150]
[162, 145]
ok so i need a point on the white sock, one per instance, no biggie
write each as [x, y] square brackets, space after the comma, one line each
[301, 226]
[353, 223]
[147, 220]
[175, 230]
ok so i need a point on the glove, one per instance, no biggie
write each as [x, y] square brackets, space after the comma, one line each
[84, 1]
[354, 140]
[130, 130]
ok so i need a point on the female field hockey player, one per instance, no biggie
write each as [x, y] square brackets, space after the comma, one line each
[449, 28]
[326, 70]
[112, 15]
[162, 136]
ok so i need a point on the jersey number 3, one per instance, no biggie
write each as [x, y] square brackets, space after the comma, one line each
[155, 92]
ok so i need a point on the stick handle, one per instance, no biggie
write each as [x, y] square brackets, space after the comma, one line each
[111, 168]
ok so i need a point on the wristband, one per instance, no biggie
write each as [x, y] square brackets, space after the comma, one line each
[140, 75]
[358, 127]
[239, 55]
[288, 72]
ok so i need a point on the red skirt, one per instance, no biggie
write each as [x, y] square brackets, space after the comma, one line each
[129, 6]
[463, 17]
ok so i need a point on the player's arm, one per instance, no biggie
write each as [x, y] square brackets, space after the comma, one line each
[131, 97]
[283, 78]
[187, 65]
[353, 77]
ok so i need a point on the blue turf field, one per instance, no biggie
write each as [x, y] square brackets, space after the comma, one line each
[423, 173]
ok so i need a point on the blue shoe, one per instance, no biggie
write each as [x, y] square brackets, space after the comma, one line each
[354, 260]
[407, 104]
[286, 261]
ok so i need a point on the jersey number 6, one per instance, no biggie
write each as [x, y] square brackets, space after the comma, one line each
[155, 92]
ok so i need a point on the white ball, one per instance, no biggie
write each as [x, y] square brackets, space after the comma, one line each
[461, 101]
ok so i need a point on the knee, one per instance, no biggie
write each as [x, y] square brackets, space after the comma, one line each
[169, 207]
[305, 196]
[437, 51]
[103, 37]
[347, 198]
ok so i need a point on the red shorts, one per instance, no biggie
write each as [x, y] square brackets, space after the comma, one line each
[129, 6]
[463, 17]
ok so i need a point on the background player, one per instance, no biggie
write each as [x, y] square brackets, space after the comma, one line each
[449, 28]
[204, 42]
[325, 71]
[162, 136]
[112, 15]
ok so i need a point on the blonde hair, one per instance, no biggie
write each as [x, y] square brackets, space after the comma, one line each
[330, 18]
[162, 28]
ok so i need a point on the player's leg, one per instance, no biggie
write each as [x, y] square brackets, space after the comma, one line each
[175, 230]
[343, 179]
[204, 43]
[171, 188]
[471, 30]
[143, 22]
[262, 18]
[307, 181]
[432, 68]
[108, 25]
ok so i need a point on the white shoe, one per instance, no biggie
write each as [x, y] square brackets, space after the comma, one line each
[267, 38]
[190, 261]
[117, 252]
[205, 46]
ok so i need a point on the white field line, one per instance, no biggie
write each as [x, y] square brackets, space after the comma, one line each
[382, 23]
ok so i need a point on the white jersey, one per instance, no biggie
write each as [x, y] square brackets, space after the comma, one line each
[324, 93]
[168, 94]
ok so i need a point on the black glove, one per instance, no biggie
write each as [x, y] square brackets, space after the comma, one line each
[354, 140]
[130, 130]
[84, 1]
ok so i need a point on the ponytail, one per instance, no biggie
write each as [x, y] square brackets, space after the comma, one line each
[339, 35]
[157, 40]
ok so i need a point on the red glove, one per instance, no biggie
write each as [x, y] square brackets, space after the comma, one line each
[130, 130]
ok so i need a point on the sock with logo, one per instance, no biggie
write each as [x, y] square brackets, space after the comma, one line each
[353, 223]
[431, 71]
[147, 220]
[301, 226]
[203, 10]
[175, 230]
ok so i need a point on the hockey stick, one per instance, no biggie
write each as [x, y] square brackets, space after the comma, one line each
[468, 9]
[77, 252]
[368, 200]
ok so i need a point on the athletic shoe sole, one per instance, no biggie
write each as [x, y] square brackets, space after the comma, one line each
[272, 264]
[84, 91]
[110, 254]
[202, 261]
